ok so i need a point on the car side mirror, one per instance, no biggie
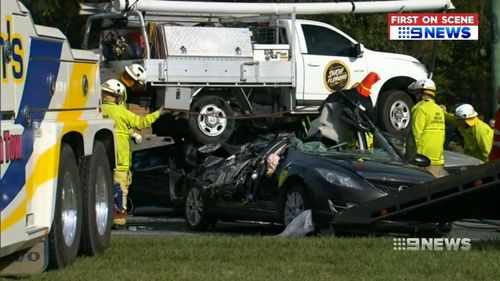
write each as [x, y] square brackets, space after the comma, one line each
[421, 160]
[358, 52]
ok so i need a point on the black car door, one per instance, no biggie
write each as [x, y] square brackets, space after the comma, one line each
[265, 187]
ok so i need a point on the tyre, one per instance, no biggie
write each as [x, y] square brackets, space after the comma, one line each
[195, 208]
[65, 233]
[211, 125]
[295, 202]
[97, 202]
[394, 112]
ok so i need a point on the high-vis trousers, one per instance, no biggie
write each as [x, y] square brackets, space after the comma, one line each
[124, 180]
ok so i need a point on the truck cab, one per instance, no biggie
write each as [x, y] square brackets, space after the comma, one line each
[56, 149]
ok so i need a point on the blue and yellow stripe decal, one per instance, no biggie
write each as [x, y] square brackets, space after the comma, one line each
[44, 61]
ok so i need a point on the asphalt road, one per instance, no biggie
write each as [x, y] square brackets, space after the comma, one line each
[151, 221]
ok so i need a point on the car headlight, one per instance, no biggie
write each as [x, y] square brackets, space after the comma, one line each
[337, 178]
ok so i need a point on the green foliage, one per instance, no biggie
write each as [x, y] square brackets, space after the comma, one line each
[63, 14]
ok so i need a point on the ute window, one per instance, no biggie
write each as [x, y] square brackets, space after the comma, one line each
[323, 41]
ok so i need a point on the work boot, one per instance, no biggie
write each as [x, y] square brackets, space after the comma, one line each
[119, 214]
[119, 226]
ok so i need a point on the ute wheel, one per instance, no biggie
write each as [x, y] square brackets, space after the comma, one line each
[394, 112]
[97, 202]
[65, 233]
[295, 202]
[196, 210]
[211, 126]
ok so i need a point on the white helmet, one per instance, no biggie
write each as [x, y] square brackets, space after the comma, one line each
[465, 111]
[115, 87]
[137, 72]
[423, 85]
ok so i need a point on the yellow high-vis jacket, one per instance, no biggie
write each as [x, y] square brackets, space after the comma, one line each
[428, 130]
[126, 120]
[478, 138]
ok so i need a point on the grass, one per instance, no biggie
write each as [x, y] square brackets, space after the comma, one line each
[208, 257]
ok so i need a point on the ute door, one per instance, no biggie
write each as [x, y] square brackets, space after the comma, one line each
[330, 61]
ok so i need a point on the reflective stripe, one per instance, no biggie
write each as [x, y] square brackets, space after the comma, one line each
[496, 143]
[497, 132]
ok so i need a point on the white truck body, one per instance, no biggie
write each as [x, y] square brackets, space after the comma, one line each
[291, 73]
[51, 126]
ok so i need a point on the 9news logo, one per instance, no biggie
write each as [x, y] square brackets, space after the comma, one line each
[431, 244]
[433, 26]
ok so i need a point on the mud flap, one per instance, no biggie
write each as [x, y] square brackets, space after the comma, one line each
[26, 262]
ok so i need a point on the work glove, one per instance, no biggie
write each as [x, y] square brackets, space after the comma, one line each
[137, 138]
[162, 111]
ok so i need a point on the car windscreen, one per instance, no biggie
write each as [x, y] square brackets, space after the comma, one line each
[380, 149]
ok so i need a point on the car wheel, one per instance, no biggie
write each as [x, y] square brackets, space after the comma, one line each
[195, 208]
[394, 112]
[295, 202]
[65, 233]
[97, 203]
[212, 124]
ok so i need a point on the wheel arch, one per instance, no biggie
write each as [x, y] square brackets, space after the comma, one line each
[232, 95]
[396, 83]
[292, 181]
[106, 137]
[75, 140]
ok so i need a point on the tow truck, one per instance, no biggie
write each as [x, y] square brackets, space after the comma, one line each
[56, 149]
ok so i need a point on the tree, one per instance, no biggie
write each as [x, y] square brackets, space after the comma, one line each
[63, 14]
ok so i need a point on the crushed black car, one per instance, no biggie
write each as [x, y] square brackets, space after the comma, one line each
[234, 182]
[308, 176]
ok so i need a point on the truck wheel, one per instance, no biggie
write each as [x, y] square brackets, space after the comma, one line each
[196, 210]
[97, 202]
[64, 236]
[394, 112]
[211, 125]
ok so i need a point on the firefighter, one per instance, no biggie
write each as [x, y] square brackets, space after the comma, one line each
[428, 125]
[477, 135]
[134, 78]
[495, 150]
[113, 92]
